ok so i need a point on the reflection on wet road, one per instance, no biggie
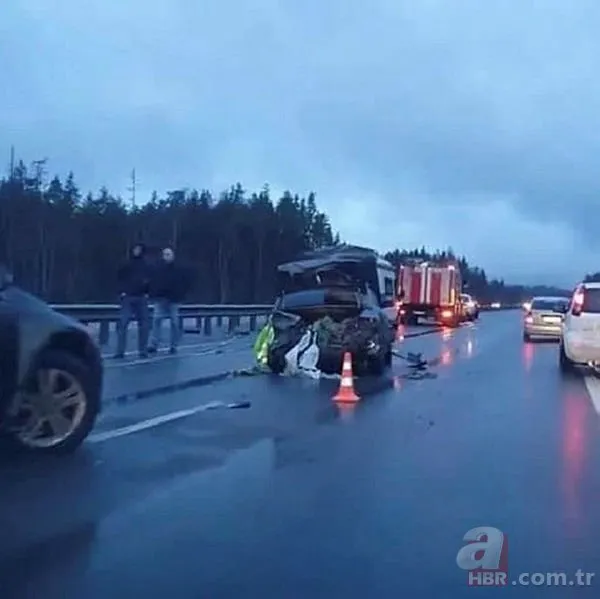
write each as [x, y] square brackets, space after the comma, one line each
[298, 497]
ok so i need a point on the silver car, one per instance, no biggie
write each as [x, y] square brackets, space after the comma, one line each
[543, 318]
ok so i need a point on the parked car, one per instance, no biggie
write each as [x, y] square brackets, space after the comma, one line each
[580, 335]
[329, 293]
[470, 307]
[543, 318]
[50, 375]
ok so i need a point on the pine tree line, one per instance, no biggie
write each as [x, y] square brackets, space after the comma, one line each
[66, 246]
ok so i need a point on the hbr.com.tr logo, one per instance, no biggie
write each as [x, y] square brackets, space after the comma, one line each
[485, 557]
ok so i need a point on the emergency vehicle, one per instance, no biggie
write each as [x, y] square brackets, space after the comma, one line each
[430, 290]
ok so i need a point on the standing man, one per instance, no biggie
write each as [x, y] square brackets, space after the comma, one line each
[169, 286]
[134, 285]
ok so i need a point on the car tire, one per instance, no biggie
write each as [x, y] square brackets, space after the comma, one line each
[377, 364]
[566, 365]
[454, 323]
[526, 338]
[388, 357]
[89, 393]
[276, 362]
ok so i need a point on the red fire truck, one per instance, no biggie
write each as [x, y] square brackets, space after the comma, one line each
[430, 290]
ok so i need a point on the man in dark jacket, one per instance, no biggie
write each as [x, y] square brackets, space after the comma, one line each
[134, 282]
[168, 288]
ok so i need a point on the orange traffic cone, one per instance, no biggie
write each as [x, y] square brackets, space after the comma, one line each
[346, 392]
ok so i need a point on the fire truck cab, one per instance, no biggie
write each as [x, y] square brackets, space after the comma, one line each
[430, 290]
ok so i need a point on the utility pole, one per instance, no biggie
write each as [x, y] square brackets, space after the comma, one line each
[40, 170]
[132, 188]
[132, 235]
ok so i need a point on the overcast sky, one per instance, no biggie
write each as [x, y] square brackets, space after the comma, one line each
[465, 123]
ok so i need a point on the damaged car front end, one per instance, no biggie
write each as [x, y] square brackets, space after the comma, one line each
[326, 308]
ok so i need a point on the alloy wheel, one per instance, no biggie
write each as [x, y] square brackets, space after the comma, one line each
[49, 412]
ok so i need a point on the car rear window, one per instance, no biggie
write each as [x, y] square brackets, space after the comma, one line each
[301, 299]
[318, 297]
[547, 304]
[591, 301]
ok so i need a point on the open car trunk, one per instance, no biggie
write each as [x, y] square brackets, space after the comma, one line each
[322, 299]
[346, 267]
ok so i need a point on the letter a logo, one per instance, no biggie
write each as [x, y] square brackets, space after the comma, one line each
[485, 550]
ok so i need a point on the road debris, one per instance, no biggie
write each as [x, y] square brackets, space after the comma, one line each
[419, 366]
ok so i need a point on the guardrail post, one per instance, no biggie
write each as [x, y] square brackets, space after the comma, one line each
[253, 322]
[199, 322]
[219, 321]
[234, 322]
[207, 325]
[104, 332]
[181, 323]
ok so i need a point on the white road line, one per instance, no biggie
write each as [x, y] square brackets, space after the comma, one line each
[151, 423]
[593, 387]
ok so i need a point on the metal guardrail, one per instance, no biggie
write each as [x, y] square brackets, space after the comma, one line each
[204, 314]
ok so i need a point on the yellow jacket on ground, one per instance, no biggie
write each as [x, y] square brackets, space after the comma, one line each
[262, 344]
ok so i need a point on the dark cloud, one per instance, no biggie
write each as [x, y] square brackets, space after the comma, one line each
[471, 124]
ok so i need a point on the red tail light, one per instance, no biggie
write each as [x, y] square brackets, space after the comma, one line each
[577, 302]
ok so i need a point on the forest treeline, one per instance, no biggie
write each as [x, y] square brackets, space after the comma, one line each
[66, 246]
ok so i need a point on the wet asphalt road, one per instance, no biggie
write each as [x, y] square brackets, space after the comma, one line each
[293, 498]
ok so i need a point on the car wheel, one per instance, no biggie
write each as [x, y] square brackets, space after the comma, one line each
[57, 407]
[526, 337]
[377, 364]
[276, 362]
[566, 366]
[388, 357]
[454, 323]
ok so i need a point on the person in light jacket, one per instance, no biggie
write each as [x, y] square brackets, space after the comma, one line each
[168, 288]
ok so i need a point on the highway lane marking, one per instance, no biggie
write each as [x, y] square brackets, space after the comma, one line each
[593, 387]
[152, 422]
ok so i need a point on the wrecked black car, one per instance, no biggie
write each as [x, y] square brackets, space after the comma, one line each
[327, 307]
